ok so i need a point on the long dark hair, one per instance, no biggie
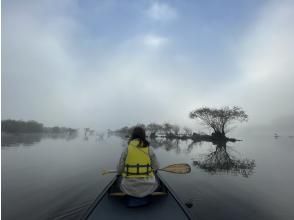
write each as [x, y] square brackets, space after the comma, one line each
[139, 133]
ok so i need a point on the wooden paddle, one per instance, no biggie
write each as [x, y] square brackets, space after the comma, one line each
[181, 168]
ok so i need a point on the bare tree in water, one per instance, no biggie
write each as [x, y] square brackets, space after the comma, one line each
[219, 120]
[187, 131]
[153, 128]
[167, 128]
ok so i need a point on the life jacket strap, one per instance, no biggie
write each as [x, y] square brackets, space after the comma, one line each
[138, 166]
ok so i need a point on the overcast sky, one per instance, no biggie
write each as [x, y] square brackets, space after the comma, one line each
[110, 63]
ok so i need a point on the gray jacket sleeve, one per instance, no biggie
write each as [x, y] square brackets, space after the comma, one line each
[154, 161]
[121, 163]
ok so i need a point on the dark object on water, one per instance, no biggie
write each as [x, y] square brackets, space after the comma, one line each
[189, 204]
[111, 204]
[276, 135]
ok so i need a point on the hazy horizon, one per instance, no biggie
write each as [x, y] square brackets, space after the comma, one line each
[108, 64]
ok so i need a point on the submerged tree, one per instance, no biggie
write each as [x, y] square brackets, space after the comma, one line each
[167, 128]
[187, 131]
[153, 128]
[175, 129]
[219, 119]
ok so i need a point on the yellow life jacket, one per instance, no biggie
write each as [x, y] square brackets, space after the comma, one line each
[138, 162]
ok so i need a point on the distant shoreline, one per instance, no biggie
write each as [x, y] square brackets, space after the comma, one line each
[31, 127]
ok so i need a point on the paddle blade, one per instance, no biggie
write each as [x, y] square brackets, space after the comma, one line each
[181, 168]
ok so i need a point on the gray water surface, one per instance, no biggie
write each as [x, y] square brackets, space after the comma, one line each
[46, 177]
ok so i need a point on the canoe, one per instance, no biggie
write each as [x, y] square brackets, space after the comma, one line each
[110, 205]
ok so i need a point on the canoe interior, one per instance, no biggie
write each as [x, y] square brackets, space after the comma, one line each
[161, 206]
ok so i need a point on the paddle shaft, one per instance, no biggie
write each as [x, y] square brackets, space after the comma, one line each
[174, 168]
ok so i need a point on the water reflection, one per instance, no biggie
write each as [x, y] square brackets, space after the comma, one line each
[220, 160]
[179, 146]
[21, 139]
[14, 140]
[167, 144]
[192, 145]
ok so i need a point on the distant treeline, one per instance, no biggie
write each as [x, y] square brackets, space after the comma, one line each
[18, 126]
[170, 131]
[13, 126]
[154, 130]
[216, 119]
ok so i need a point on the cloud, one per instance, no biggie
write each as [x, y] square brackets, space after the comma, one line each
[159, 11]
[154, 41]
[267, 50]
[267, 62]
[60, 73]
[264, 59]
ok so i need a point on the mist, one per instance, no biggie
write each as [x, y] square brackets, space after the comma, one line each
[108, 64]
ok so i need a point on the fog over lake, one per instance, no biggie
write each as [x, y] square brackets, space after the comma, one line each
[107, 64]
[76, 71]
[54, 176]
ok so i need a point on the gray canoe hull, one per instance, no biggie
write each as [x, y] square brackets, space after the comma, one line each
[113, 207]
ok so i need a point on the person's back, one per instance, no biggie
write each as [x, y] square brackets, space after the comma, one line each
[137, 166]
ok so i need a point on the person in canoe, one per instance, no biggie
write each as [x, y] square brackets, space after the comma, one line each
[137, 166]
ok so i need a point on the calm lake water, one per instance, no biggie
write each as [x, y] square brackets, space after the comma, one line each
[45, 177]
